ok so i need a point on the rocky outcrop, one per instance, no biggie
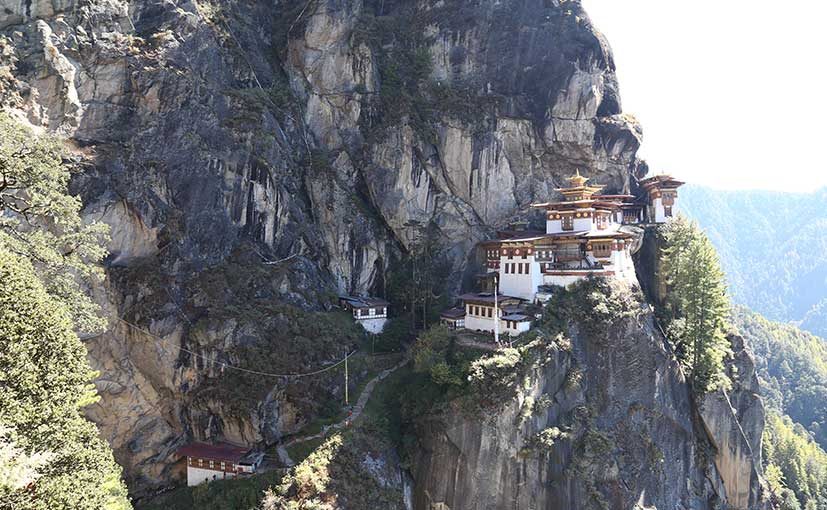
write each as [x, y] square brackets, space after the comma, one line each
[607, 422]
[256, 158]
[734, 421]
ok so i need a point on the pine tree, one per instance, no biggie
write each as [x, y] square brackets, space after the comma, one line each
[700, 306]
[45, 380]
[39, 220]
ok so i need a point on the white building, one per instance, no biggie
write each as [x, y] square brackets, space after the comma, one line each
[662, 194]
[584, 236]
[208, 462]
[371, 313]
[453, 318]
[482, 315]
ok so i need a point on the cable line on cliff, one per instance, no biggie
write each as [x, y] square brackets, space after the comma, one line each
[233, 367]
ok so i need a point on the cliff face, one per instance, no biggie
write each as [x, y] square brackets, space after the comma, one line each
[255, 158]
[606, 423]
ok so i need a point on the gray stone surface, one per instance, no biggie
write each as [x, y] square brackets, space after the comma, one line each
[207, 127]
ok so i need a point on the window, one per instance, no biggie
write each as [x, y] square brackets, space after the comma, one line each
[526, 268]
[489, 312]
[667, 210]
[568, 222]
[601, 221]
[602, 250]
[189, 461]
[200, 462]
[212, 464]
[507, 266]
[223, 467]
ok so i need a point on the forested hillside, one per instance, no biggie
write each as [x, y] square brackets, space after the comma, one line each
[773, 248]
[792, 367]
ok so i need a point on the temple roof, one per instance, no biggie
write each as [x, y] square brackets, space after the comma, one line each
[220, 451]
[661, 181]
[453, 313]
[487, 298]
[364, 302]
[516, 317]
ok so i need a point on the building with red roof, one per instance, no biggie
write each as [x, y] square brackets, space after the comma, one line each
[207, 462]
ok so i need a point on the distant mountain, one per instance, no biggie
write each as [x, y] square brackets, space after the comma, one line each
[773, 248]
[792, 367]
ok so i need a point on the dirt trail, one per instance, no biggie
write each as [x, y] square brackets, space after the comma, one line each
[356, 412]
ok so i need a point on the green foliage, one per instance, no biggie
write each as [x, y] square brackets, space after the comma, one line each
[40, 221]
[796, 467]
[416, 284]
[232, 494]
[396, 334]
[772, 247]
[479, 379]
[18, 469]
[592, 304]
[496, 376]
[406, 92]
[46, 380]
[792, 366]
[336, 470]
[699, 303]
[436, 352]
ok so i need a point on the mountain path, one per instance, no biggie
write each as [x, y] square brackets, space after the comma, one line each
[356, 411]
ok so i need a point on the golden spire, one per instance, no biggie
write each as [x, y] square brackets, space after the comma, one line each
[578, 180]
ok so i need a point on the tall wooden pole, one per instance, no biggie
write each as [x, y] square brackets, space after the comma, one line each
[347, 400]
[496, 314]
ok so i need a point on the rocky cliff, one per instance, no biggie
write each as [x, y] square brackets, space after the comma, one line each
[603, 419]
[253, 159]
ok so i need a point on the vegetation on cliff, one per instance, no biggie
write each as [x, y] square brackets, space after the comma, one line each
[772, 247]
[348, 471]
[40, 221]
[795, 465]
[51, 455]
[697, 303]
[792, 366]
[46, 381]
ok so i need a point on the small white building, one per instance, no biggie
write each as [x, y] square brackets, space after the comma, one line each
[662, 194]
[370, 312]
[453, 318]
[481, 314]
[209, 462]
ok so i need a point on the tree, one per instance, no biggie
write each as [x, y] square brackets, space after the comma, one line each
[45, 379]
[40, 221]
[435, 353]
[699, 302]
[420, 277]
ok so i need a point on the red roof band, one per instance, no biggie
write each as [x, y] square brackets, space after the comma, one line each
[220, 451]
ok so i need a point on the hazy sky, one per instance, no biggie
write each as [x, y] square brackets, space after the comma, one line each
[731, 94]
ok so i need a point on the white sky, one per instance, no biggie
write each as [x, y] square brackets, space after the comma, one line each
[732, 94]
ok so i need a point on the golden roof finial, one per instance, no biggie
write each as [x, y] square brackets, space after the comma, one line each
[578, 180]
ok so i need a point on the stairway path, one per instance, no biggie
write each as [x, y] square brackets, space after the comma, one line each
[361, 402]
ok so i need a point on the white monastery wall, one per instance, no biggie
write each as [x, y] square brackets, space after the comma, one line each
[197, 476]
[374, 325]
[554, 226]
[475, 323]
[582, 224]
[523, 286]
